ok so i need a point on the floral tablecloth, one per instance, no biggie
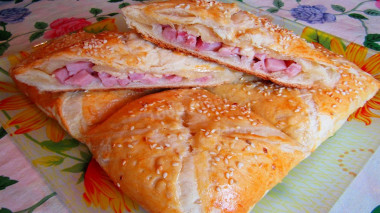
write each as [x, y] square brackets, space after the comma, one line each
[26, 183]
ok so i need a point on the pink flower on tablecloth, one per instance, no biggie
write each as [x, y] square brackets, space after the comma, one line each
[63, 26]
[377, 4]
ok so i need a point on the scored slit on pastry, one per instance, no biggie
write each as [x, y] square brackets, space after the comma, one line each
[78, 111]
[189, 151]
[110, 60]
[309, 116]
[225, 34]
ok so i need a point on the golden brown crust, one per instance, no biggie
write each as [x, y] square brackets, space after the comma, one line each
[187, 151]
[308, 116]
[79, 111]
[118, 54]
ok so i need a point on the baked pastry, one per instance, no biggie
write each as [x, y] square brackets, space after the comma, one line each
[223, 33]
[111, 60]
[309, 116]
[78, 111]
[186, 150]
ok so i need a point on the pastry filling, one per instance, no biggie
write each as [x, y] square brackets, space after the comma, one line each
[81, 74]
[259, 61]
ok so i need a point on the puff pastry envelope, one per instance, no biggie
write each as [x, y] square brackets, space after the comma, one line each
[189, 151]
[78, 111]
[114, 60]
[309, 116]
[225, 34]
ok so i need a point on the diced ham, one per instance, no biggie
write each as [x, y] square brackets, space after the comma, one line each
[204, 46]
[293, 70]
[75, 67]
[61, 74]
[181, 37]
[173, 78]
[191, 41]
[236, 50]
[82, 78]
[123, 81]
[274, 65]
[169, 33]
[260, 65]
[203, 79]
[149, 79]
[107, 79]
[260, 56]
[226, 51]
[136, 76]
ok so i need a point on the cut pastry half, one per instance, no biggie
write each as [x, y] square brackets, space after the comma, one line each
[109, 60]
[223, 33]
[186, 150]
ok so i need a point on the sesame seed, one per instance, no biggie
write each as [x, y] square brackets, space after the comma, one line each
[240, 165]
[225, 160]
[118, 185]
[217, 188]
[124, 162]
[231, 181]
[165, 175]
[217, 159]
[130, 146]
[175, 164]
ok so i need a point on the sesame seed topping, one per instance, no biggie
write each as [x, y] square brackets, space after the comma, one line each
[231, 181]
[165, 175]
[240, 165]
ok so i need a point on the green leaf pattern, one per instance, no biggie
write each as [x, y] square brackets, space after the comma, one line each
[5, 182]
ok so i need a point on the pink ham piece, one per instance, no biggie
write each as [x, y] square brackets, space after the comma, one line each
[293, 70]
[260, 56]
[136, 76]
[75, 67]
[61, 74]
[82, 78]
[226, 51]
[107, 79]
[203, 79]
[149, 79]
[204, 46]
[173, 78]
[123, 81]
[191, 41]
[169, 33]
[144, 78]
[181, 37]
[274, 65]
[260, 65]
